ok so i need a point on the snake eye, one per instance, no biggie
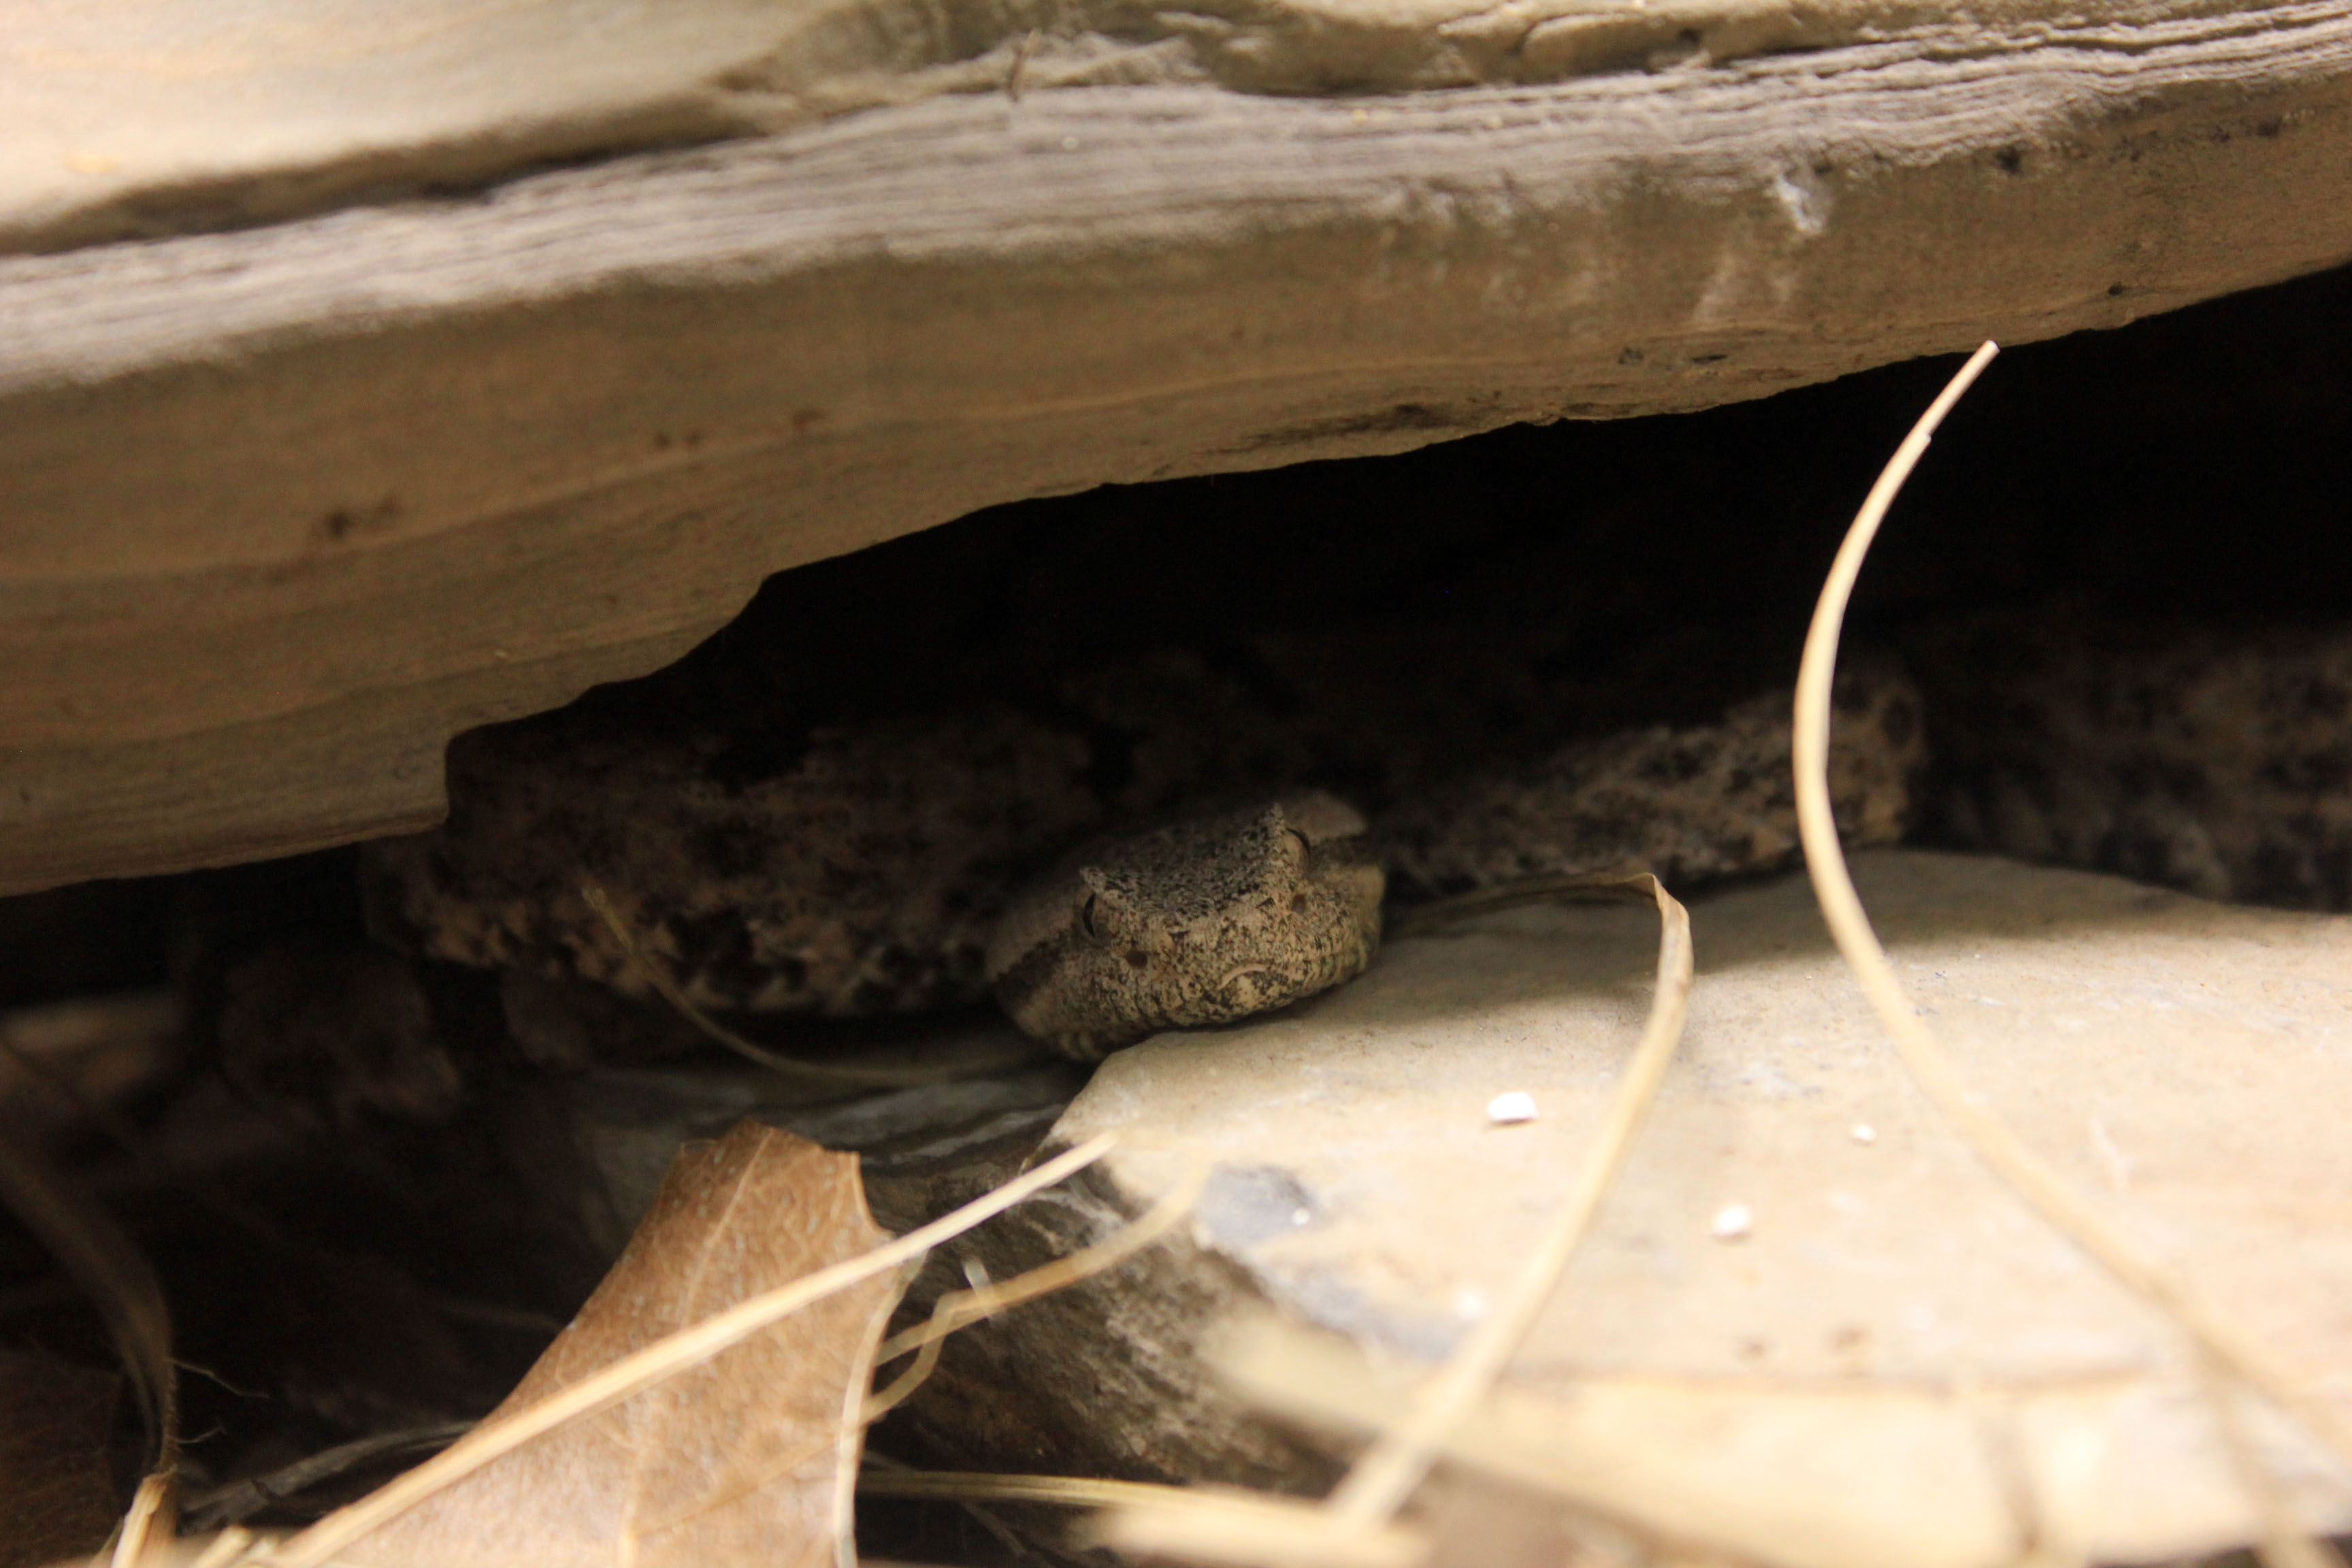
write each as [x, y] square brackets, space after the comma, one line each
[1091, 918]
[1304, 845]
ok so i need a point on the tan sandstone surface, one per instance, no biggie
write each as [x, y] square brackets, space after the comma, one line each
[1887, 1359]
[371, 371]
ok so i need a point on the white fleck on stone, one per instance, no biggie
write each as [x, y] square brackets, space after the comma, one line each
[1804, 199]
[1733, 1221]
[1299, 1216]
[1069, 143]
[1469, 1305]
[1516, 1105]
[1864, 1132]
[2111, 1155]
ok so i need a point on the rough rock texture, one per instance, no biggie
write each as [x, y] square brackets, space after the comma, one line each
[291, 498]
[146, 117]
[1892, 1352]
[2213, 759]
[337, 1034]
[860, 867]
[1691, 803]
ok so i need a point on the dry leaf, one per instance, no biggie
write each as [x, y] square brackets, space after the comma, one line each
[749, 1459]
[56, 1493]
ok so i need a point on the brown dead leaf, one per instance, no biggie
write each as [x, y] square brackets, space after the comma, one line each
[56, 1499]
[747, 1458]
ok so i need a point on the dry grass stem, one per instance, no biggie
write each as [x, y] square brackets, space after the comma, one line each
[1260, 1530]
[960, 1308]
[2281, 1543]
[231, 1546]
[100, 1114]
[1385, 1476]
[149, 1524]
[656, 974]
[114, 1276]
[662, 1359]
[1284, 1533]
[1524, 893]
[1350, 1529]
[113, 1273]
[2000, 1148]
[969, 1486]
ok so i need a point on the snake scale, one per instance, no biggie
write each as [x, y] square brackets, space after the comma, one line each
[1179, 837]
[1167, 840]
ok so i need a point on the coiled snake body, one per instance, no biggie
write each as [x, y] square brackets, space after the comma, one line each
[913, 862]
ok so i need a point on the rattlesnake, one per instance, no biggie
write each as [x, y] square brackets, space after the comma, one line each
[2210, 758]
[880, 864]
[918, 860]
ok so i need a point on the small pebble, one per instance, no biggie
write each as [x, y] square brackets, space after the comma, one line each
[1732, 1223]
[1864, 1132]
[1518, 1105]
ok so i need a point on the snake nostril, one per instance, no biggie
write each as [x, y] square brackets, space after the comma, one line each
[1137, 959]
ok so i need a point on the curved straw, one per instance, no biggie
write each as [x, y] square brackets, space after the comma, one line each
[110, 1271]
[972, 1486]
[1990, 1140]
[1212, 1525]
[1386, 1473]
[960, 1309]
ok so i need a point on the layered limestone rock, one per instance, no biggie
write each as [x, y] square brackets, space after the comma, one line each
[365, 377]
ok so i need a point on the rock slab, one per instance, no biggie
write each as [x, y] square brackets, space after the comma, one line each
[1803, 1289]
[391, 430]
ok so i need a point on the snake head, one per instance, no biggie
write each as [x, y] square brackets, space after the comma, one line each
[1198, 920]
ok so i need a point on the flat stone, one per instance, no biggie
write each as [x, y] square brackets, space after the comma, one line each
[134, 117]
[393, 430]
[2179, 1062]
